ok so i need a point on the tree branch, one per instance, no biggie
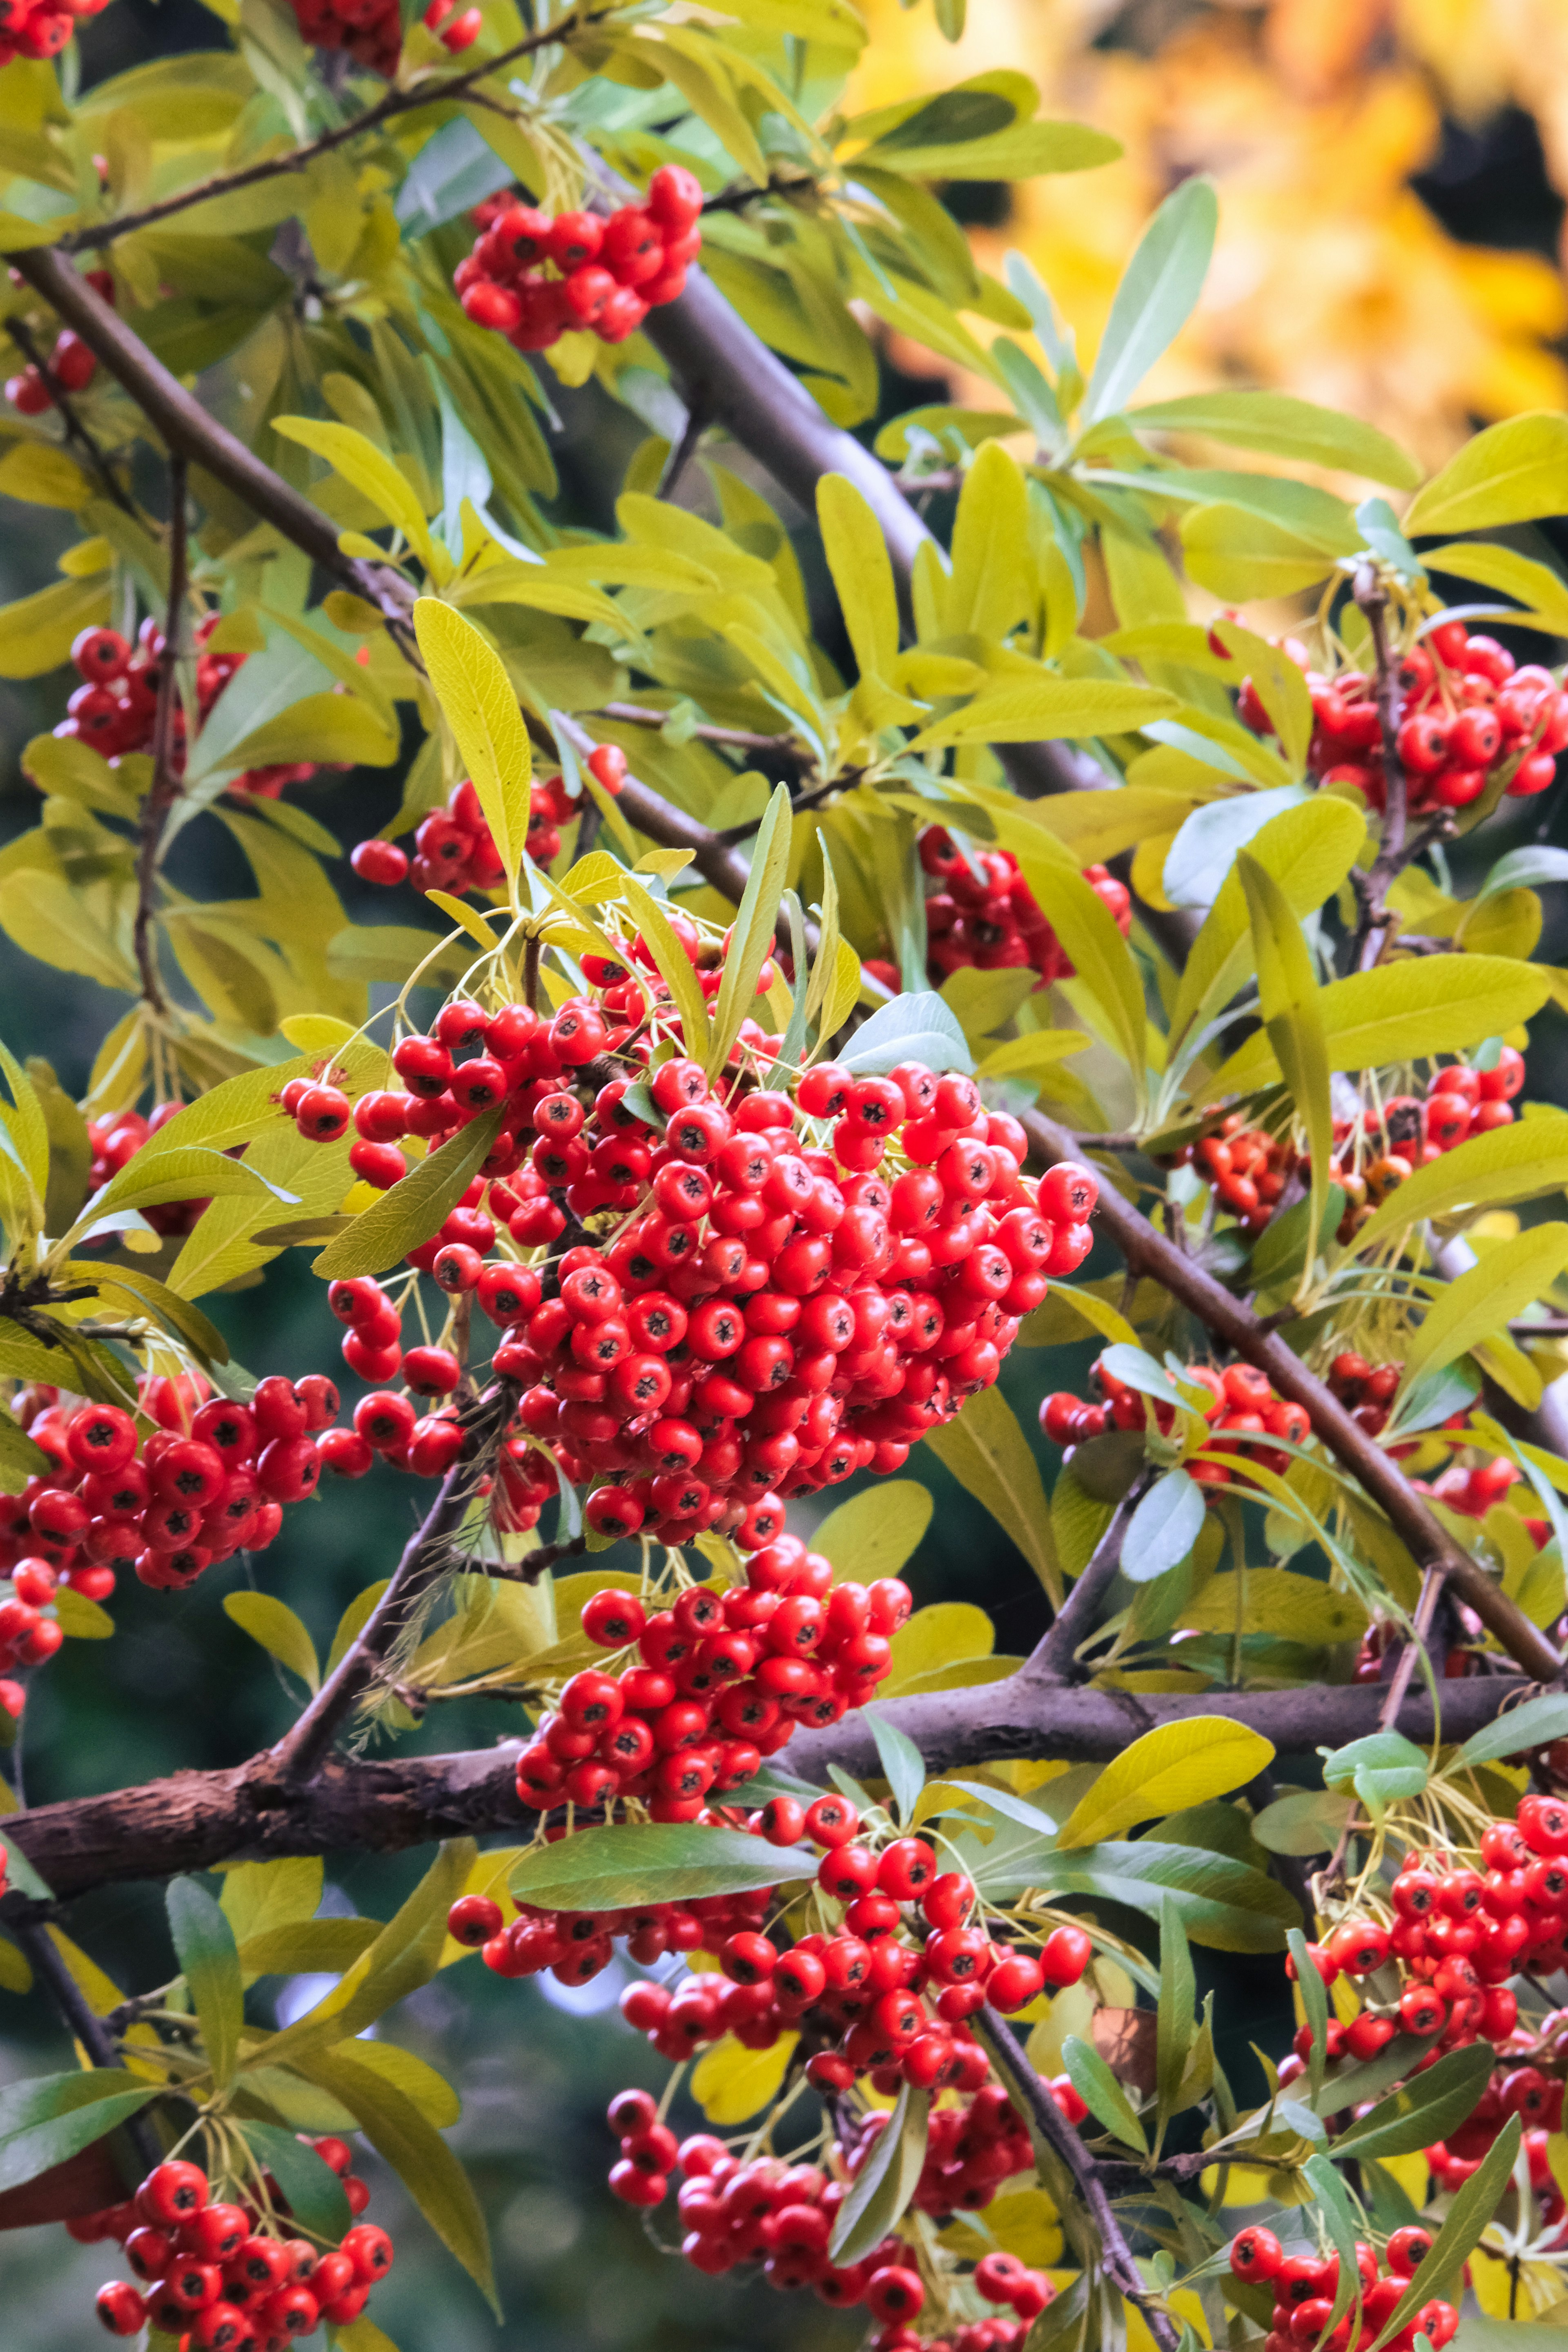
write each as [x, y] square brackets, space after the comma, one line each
[187, 431]
[1145, 1250]
[428, 91]
[427, 1556]
[164, 789]
[77, 434]
[1059, 2137]
[194, 1820]
[1075, 1620]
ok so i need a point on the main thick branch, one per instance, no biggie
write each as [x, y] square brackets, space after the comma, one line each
[194, 1820]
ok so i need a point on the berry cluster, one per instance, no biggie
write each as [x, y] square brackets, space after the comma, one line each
[1374, 1153]
[114, 709]
[532, 277]
[42, 28]
[983, 914]
[454, 849]
[1466, 711]
[371, 31]
[71, 364]
[115, 1142]
[1306, 2285]
[210, 1480]
[220, 2278]
[758, 1276]
[781, 2215]
[1241, 1407]
[1248, 1167]
[1537, 2099]
[718, 1682]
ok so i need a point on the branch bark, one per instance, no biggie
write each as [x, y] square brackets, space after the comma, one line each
[193, 1821]
[188, 432]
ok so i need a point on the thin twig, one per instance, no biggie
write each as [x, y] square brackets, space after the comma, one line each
[164, 789]
[427, 1556]
[48, 1966]
[1074, 1621]
[429, 91]
[77, 434]
[685, 449]
[1432, 1584]
[1065, 2144]
[733, 739]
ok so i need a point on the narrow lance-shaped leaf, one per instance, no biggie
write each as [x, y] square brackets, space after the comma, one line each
[1288, 986]
[415, 1208]
[1156, 295]
[1102, 2093]
[883, 2189]
[1483, 1300]
[209, 1962]
[752, 940]
[1174, 2027]
[482, 708]
[903, 1766]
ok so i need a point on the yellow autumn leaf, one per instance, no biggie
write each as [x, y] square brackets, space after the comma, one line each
[729, 2083]
[1179, 1765]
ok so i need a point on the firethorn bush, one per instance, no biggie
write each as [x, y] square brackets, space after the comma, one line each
[881, 928]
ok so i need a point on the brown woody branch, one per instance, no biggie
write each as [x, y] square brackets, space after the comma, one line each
[164, 789]
[77, 436]
[431, 90]
[193, 1821]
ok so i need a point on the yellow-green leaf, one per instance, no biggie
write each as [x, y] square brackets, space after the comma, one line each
[1027, 711]
[1511, 473]
[415, 1208]
[1433, 1004]
[273, 1623]
[730, 2083]
[992, 585]
[675, 966]
[1483, 1300]
[862, 573]
[874, 1533]
[36, 633]
[988, 1454]
[1179, 1765]
[482, 708]
[752, 937]
[372, 473]
[1511, 1163]
[1288, 988]
[1308, 850]
[1274, 1600]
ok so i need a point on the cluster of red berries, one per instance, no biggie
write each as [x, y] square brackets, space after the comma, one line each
[114, 709]
[715, 1683]
[71, 363]
[984, 915]
[1242, 1410]
[1377, 1153]
[1306, 2285]
[371, 31]
[1537, 2099]
[216, 2278]
[532, 277]
[211, 1479]
[1464, 709]
[454, 849]
[781, 2215]
[115, 1142]
[886, 1994]
[1248, 1167]
[759, 1277]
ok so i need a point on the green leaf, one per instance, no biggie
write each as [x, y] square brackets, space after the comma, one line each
[1314, 1998]
[915, 1028]
[1164, 1528]
[1434, 1004]
[1539, 588]
[1275, 1600]
[857, 558]
[405, 1956]
[415, 1208]
[1309, 1820]
[903, 1766]
[1042, 709]
[420, 2157]
[1283, 426]
[1381, 1767]
[1287, 989]
[1483, 1301]
[1425, 2109]
[992, 585]
[654, 1861]
[1156, 295]
[1089, 934]
[1534, 1725]
[36, 632]
[1102, 2093]
[481, 706]
[752, 939]
[209, 1962]
[879, 2195]
[1511, 473]
[1511, 1163]
[53, 2117]
[874, 1533]
[988, 1454]
[273, 1623]
[1342, 2227]
[1168, 1770]
[313, 2191]
[372, 473]
[1201, 857]
[1178, 1994]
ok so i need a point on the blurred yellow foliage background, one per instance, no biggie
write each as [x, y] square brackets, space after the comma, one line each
[1331, 277]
